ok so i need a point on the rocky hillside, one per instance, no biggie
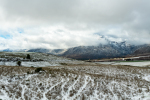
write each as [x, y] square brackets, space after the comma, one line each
[111, 50]
[143, 50]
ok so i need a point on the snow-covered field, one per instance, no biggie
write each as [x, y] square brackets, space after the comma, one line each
[37, 59]
[138, 64]
[73, 80]
[29, 64]
[97, 82]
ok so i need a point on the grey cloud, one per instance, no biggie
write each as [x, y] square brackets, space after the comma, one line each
[62, 11]
[73, 22]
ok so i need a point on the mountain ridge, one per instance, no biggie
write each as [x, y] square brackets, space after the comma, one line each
[111, 50]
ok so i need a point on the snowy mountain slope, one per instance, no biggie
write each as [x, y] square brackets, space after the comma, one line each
[113, 49]
[16, 50]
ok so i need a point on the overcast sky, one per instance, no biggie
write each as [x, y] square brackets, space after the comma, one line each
[53, 24]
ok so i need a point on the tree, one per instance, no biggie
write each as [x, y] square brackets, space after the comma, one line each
[28, 56]
[19, 63]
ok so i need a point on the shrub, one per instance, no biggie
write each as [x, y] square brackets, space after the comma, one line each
[38, 69]
[32, 66]
[28, 56]
[40, 84]
[63, 63]
[19, 63]
[28, 72]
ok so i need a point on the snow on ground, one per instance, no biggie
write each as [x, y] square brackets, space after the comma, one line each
[80, 82]
[147, 77]
[37, 59]
[29, 64]
[67, 79]
[140, 64]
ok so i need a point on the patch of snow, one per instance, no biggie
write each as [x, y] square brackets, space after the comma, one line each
[29, 64]
[147, 78]
[140, 64]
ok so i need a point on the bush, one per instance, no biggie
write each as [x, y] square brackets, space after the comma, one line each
[28, 56]
[63, 63]
[19, 63]
[32, 66]
[38, 69]
[28, 72]
[40, 84]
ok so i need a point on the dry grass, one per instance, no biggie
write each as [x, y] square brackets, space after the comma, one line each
[75, 82]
